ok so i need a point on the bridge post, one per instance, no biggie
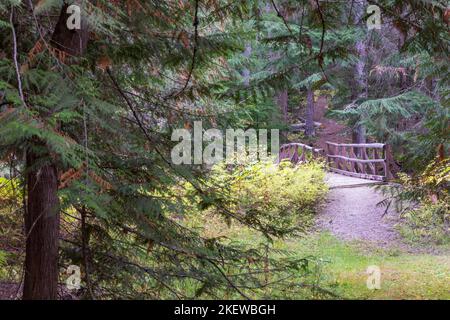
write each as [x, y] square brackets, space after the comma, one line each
[388, 161]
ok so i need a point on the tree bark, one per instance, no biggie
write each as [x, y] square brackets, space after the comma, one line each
[246, 72]
[42, 212]
[282, 102]
[73, 42]
[309, 125]
[41, 229]
[359, 132]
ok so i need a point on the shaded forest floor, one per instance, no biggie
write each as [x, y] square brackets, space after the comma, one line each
[8, 290]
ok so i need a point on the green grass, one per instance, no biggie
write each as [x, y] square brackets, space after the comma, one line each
[403, 275]
[3, 270]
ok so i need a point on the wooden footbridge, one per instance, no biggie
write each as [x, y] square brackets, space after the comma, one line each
[365, 160]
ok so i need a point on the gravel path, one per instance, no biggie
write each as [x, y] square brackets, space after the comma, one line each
[351, 212]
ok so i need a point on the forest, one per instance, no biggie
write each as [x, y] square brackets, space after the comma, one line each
[224, 149]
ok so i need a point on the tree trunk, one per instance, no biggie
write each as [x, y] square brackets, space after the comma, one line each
[309, 125]
[42, 213]
[246, 72]
[41, 229]
[73, 42]
[282, 101]
[359, 132]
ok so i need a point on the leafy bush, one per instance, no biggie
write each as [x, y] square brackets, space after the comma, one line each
[423, 203]
[11, 213]
[10, 192]
[429, 223]
[282, 196]
[2, 264]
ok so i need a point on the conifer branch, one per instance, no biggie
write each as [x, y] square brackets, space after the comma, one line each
[194, 53]
[281, 16]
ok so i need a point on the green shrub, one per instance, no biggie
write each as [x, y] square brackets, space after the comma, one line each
[2, 264]
[11, 214]
[423, 202]
[281, 196]
[10, 192]
[429, 223]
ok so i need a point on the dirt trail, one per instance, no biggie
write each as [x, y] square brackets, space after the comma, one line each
[351, 212]
[330, 130]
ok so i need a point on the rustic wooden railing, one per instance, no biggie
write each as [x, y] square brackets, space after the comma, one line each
[298, 152]
[367, 160]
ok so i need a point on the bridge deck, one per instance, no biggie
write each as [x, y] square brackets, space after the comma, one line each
[335, 180]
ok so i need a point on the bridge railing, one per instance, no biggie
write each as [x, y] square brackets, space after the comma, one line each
[362, 160]
[298, 152]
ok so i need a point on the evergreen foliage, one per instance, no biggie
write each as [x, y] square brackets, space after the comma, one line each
[103, 120]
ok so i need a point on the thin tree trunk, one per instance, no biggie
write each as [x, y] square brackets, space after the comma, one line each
[309, 125]
[41, 229]
[359, 132]
[85, 251]
[281, 97]
[282, 101]
[246, 72]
